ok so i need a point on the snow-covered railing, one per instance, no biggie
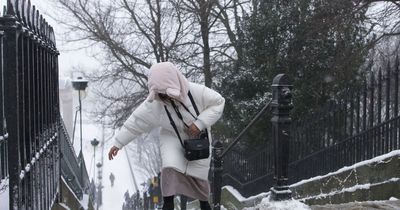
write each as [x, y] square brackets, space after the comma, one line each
[252, 171]
[3, 128]
[70, 165]
[29, 94]
[359, 124]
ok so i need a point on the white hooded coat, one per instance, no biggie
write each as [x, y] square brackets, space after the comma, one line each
[165, 78]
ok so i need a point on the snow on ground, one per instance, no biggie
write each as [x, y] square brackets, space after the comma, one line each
[4, 195]
[240, 198]
[292, 204]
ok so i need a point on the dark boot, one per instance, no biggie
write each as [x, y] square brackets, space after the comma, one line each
[204, 205]
[168, 203]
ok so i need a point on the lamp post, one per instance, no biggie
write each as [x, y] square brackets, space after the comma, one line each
[99, 189]
[80, 85]
[94, 143]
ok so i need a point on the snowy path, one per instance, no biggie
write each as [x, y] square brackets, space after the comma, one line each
[113, 197]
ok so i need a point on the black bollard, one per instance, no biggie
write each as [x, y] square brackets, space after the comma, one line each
[217, 174]
[281, 105]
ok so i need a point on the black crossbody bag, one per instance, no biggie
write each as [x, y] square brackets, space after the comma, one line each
[194, 148]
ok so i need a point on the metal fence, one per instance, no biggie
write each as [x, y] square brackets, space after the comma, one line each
[3, 129]
[71, 167]
[244, 166]
[30, 100]
[356, 125]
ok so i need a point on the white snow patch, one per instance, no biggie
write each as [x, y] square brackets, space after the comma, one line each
[346, 168]
[64, 206]
[266, 203]
[240, 198]
[4, 194]
[85, 201]
[350, 189]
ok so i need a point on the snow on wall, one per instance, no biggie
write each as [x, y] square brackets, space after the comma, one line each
[4, 194]
[266, 204]
[347, 168]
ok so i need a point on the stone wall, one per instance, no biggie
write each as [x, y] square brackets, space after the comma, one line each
[377, 179]
[372, 181]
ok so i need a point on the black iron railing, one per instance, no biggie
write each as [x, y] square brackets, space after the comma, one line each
[242, 169]
[30, 100]
[71, 167]
[3, 130]
[31, 130]
[358, 125]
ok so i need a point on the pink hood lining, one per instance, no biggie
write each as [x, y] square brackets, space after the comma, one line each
[167, 79]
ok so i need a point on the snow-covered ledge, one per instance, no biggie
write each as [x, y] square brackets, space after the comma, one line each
[350, 183]
[374, 179]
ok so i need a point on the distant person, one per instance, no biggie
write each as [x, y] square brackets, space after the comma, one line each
[170, 91]
[112, 178]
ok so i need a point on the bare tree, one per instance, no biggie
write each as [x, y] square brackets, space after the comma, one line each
[130, 35]
[145, 153]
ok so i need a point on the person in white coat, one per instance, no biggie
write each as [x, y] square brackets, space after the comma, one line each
[169, 89]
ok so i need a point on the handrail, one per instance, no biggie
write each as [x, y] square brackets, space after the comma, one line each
[245, 129]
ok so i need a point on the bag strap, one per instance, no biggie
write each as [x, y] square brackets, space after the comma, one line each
[180, 115]
[195, 108]
[193, 103]
[173, 125]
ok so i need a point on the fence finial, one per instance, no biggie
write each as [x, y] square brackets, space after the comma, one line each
[23, 12]
[28, 15]
[11, 7]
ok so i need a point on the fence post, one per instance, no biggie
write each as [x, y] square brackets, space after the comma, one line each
[217, 174]
[12, 94]
[281, 105]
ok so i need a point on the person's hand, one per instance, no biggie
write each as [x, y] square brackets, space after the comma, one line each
[193, 130]
[113, 152]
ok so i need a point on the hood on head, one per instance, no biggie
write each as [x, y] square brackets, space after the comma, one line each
[167, 79]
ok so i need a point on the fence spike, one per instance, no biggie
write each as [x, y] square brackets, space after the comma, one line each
[29, 15]
[53, 37]
[379, 99]
[47, 31]
[23, 12]
[37, 26]
[18, 9]
[39, 23]
[10, 7]
[388, 91]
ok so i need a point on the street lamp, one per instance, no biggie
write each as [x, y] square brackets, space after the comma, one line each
[94, 143]
[80, 85]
